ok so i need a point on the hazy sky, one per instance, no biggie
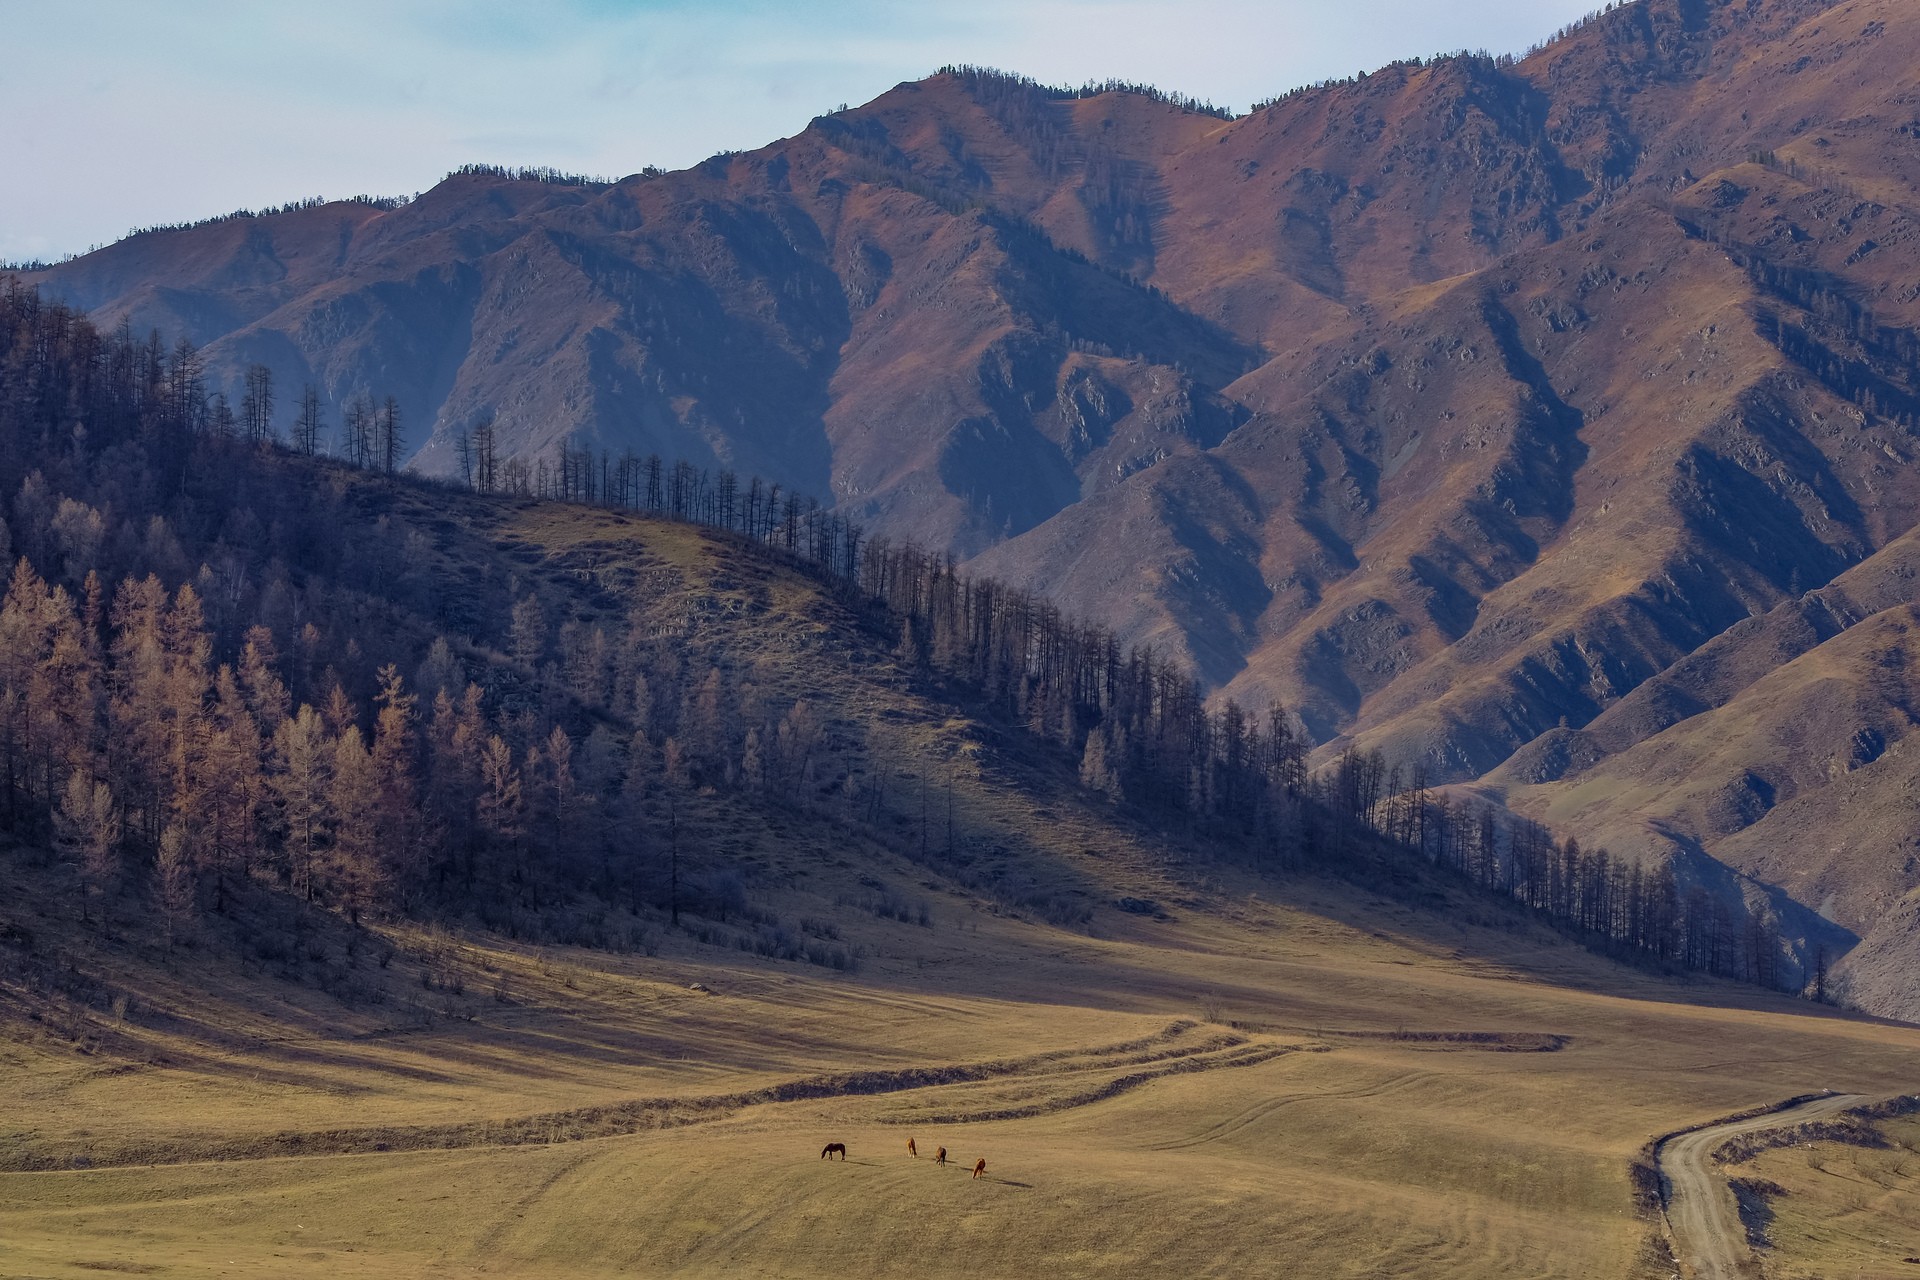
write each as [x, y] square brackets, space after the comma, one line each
[119, 115]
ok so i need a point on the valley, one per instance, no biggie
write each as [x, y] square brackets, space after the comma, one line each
[1328, 691]
[1256, 1087]
[1475, 410]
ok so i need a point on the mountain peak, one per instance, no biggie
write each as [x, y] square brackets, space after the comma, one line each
[1441, 405]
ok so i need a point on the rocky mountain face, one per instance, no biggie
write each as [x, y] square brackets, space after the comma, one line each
[1550, 424]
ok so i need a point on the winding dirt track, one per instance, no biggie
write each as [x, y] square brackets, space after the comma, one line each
[1708, 1238]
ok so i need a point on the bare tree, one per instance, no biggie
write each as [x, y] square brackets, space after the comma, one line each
[307, 427]
[256, 405]
[484, 459]
[388, 434]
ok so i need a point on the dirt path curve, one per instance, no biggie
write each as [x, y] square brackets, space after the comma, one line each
[1708, 1238]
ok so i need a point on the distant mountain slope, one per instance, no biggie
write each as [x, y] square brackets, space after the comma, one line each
[1471, 408]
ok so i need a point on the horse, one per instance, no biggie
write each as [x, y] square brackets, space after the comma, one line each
[940, 1156]
[828, 1150]
[979, 1166]
[912, 1150]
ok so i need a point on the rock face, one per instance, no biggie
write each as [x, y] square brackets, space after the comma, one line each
[1552, 424]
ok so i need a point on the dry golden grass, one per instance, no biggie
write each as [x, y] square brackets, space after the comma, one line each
[1842, 1210]
[1282, 1077]
[1304, 1129]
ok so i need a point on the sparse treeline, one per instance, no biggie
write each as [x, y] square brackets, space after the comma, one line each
[1147, 737]
[531, 173]
[1612, 904]
[762, 513]
[292, 206]
[274, 708]
[986, 81]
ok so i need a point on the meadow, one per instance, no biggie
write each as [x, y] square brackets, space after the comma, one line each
[1281, 1078]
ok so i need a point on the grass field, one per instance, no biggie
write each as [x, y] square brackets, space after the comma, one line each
[1836, 1209]
[1249, 1089]
[1268, 1077]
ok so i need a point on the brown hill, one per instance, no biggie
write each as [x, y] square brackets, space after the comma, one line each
[1472, 408]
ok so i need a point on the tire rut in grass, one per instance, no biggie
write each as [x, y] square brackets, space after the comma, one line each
[634, 1115]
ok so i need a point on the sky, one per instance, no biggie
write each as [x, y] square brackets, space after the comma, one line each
[129, 113]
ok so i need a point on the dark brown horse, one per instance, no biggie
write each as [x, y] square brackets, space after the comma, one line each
[979, 1166]
[940, 1156]
[912, 1150]
[827, 1151]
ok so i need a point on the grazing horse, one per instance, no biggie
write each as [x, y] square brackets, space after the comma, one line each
[828, 1150]
[912, 1150]
[979, 1166]
[940, 1156]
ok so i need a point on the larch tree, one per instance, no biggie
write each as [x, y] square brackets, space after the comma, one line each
[256, 405]
[673, 773]
[388, 435]
[527, 632]
[137, 718]
[233, 791]
[301, 781]
[1096, 772]
[88, 830]
[175, 882]
[186, 650]
[486, 472]
[356, 866]
[259, 671]
[307, 426]
[555, 799]
[394, 763]
[222, 424]
[502, 802]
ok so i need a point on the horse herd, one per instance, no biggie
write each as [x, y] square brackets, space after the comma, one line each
[833, 1149]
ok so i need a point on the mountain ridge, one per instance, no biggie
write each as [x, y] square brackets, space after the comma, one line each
[1447, 406]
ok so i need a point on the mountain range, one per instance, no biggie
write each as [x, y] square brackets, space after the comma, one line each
[1547, 424]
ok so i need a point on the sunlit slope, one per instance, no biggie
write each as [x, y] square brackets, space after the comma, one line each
[1203, 1066]
[1449, 406]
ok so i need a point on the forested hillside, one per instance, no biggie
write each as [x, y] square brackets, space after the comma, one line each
[234, 669]
[1469, 410]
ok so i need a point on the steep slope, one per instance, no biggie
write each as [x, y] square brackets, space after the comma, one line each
[1448, 407]
[843, 312]
[670, 984]
[1780, 747]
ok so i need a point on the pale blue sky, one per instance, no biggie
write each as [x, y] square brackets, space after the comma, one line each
[123, 114]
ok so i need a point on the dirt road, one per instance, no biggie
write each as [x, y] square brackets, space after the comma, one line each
[1708, 1238]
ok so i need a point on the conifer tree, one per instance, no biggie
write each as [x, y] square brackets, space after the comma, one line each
[256, 405]
[502, 805]
[527, 636]
[393, 762]
[88, 830]
[174, 878]
[308, 427]
[301, 781]
[356, 872]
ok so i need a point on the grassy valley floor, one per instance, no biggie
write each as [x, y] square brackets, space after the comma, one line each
[1248, 1089]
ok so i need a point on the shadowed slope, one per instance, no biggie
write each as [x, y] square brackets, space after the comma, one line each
[1448, 406]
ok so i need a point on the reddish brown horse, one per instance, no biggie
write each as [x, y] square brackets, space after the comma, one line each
[828, 1150]
[912, 1150]
[979, 1166]
[940, 1156]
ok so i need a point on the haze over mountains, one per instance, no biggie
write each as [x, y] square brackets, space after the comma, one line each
[1548, 424]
